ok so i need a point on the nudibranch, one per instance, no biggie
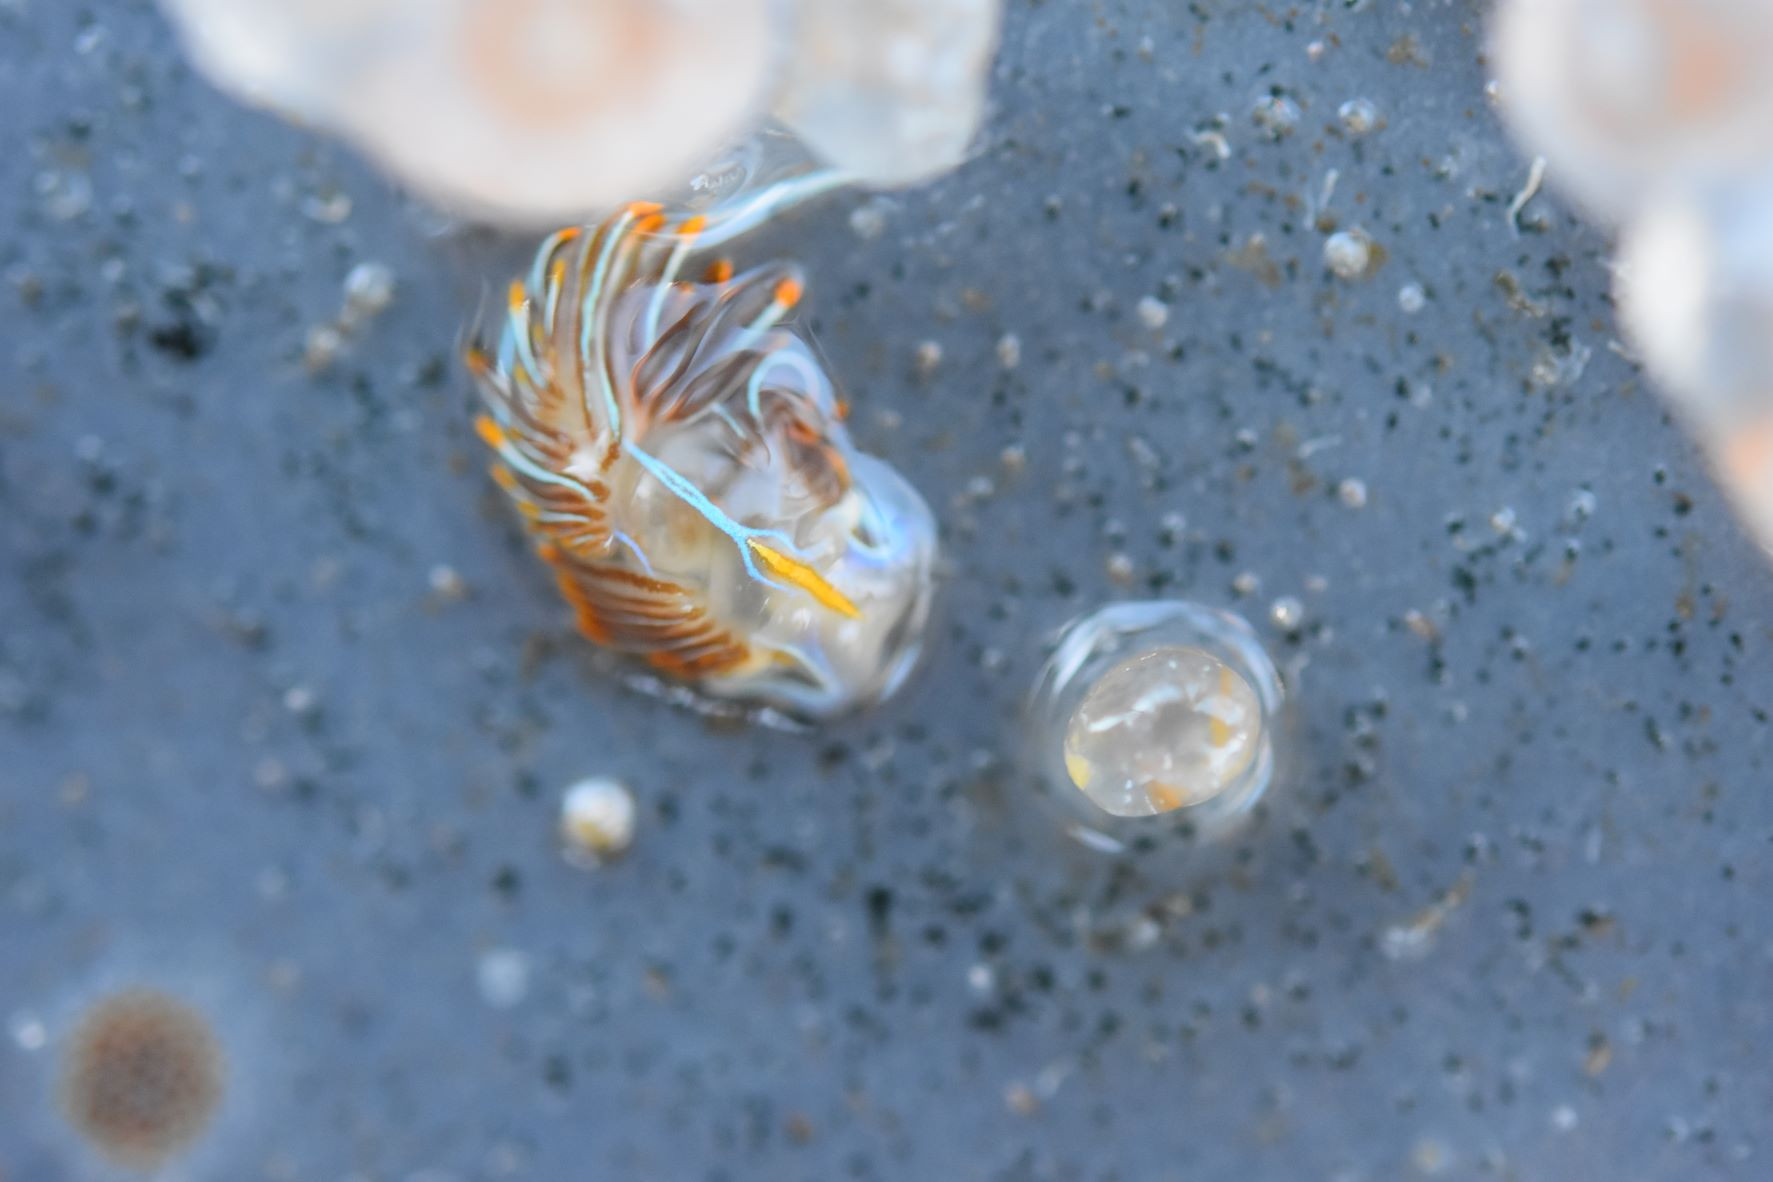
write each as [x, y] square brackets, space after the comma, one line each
[677, 451]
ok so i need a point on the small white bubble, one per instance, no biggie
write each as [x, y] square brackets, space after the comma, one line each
[503, 976]
[27, 1031]
[1276, 114]
[369, 289]
[1009, 350]
[1153, 312]
[927, 358]
[322, 347]
[270, 775]
[869, 219]
[1246, 583]
[1352, 492]
[1349, 254]
[1359, 116]
[446, 583]
[1411, 298]
[1287, 613]
[329, 209]
[65, 195]
[1581, 507]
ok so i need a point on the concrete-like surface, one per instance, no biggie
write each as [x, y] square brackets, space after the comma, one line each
[1511, 921]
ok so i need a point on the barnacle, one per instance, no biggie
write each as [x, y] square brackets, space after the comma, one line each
[677, 452]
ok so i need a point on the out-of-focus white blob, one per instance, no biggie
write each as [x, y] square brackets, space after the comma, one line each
[1695, 279]
[890, 91]
[549, 110]
[526, 110]
[1633, 98]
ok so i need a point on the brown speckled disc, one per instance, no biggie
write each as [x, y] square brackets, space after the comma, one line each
[142, 1077]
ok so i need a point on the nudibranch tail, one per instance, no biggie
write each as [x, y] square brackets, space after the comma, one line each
[677, 449]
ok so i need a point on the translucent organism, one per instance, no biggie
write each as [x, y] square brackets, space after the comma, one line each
[1630, 98]
[1171, 727]
[678, 453]
[539, 111]
[1148, 714]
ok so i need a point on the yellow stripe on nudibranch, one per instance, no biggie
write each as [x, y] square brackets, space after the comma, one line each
[798, 574]
[490, 432]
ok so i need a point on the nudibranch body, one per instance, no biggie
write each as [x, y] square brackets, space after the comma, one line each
[677, 451]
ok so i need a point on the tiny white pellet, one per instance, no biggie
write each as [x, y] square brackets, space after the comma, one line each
[1349, 254]
[1009, 350]
[1359, 116]
[1287, 613]
[597, 819]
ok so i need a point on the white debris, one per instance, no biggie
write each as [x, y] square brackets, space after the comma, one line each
[597, 819]
[1359, 116]
[369, 289]
[1349, 254]
[1009, 350]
